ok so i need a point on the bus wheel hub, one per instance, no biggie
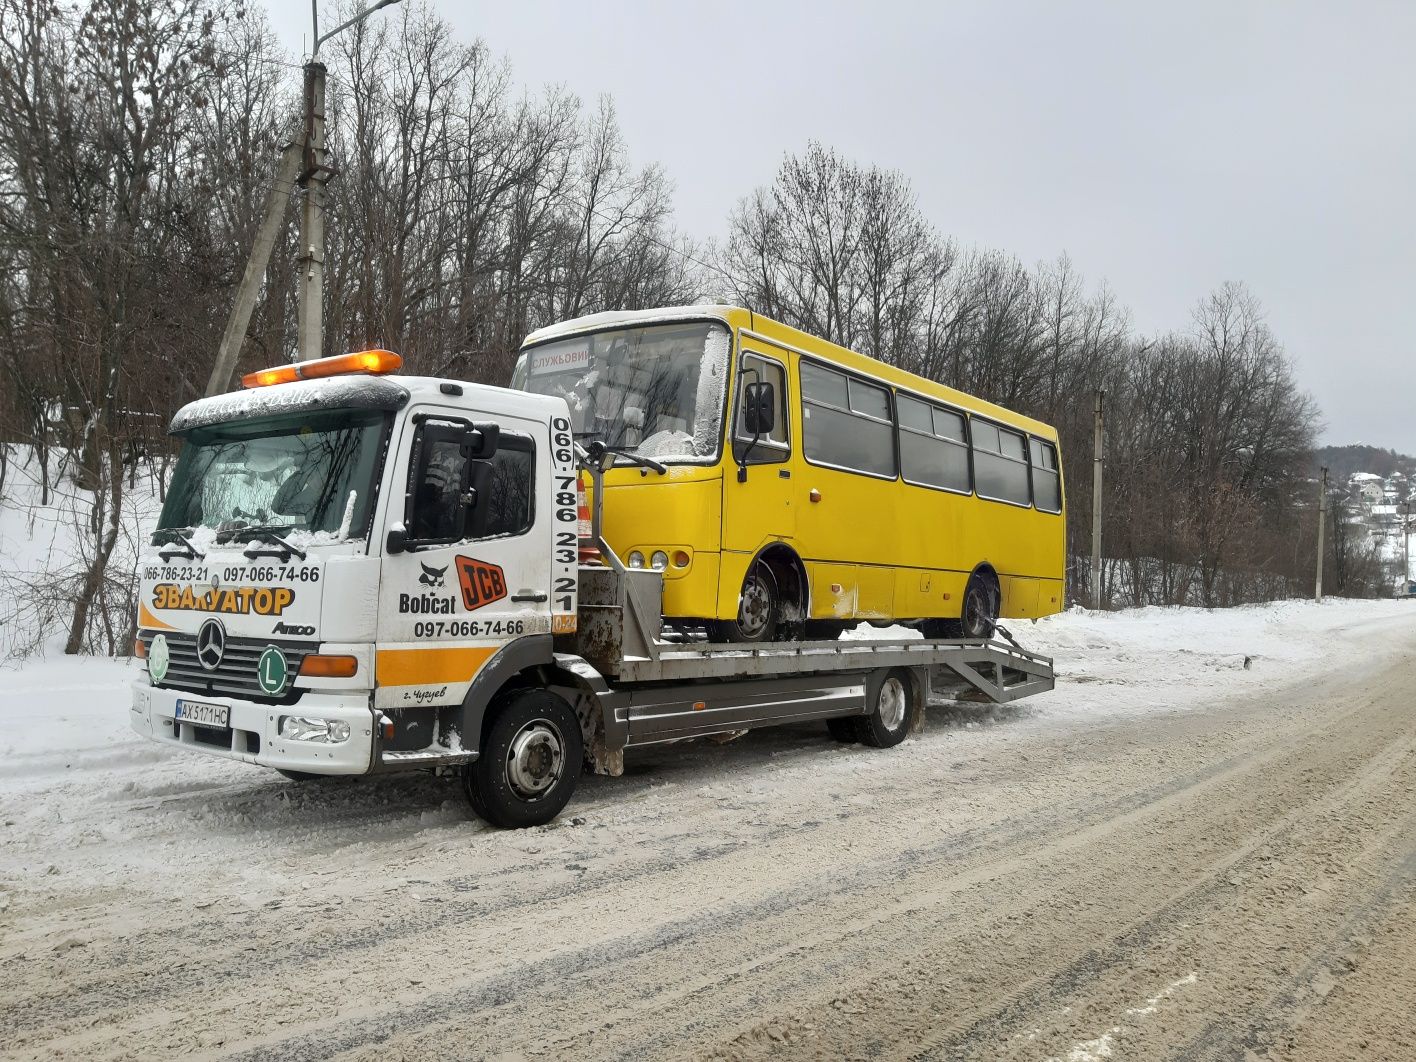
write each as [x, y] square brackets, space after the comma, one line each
[535, 759]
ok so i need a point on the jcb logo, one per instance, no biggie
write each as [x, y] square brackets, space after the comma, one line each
[481, 583]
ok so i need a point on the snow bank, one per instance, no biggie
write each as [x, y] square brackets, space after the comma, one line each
[1142, 659]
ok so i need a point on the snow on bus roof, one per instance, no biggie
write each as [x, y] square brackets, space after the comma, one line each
[623, 318]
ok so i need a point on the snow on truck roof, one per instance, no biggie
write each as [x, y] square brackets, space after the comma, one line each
[355, 391]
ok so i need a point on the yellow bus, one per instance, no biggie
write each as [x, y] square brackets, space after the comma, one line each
[788, 487]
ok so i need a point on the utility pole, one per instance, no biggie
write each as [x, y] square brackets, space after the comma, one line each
[314, 175]
[251, 280]
[304, 162]
[1406, 549]
[1096, 507]
[1322, 520]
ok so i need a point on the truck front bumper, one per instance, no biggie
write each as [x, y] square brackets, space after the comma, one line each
[253, 733]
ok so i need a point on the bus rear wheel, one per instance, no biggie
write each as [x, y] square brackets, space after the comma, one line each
[530, 762]
[979, 614]
[759, 609]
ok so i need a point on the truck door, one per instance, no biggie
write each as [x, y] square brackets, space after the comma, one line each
[467, 553]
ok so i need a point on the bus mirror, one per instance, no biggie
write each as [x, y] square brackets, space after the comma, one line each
[759, 410]
[481, 441]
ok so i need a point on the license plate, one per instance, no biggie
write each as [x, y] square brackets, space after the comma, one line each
[203, 714]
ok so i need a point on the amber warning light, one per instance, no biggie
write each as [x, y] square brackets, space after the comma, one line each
[373, 362]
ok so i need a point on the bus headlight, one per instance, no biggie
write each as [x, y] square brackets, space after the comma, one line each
[321, 731]
[636, 559]
[659, 561]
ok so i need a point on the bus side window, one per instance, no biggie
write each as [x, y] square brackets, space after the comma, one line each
[1047, 479]
[846, 423]
[933, 446]
[1000, 464]
[773, 444]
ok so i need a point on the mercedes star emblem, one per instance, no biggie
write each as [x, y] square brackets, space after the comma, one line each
[211, 644]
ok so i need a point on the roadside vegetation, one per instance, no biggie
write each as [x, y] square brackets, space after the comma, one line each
[137, 144]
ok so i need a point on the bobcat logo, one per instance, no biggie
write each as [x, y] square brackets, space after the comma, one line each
[432, 578]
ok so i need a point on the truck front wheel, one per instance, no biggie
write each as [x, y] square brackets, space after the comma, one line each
[529, 764]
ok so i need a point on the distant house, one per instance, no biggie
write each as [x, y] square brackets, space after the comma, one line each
[1368, 488]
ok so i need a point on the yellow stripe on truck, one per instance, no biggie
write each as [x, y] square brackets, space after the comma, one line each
[418, 667]
[147, 621]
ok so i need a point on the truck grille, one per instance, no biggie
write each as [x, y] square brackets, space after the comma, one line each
[235, 676]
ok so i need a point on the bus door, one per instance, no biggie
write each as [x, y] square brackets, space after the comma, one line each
[758, 508]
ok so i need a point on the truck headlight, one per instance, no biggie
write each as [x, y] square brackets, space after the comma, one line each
[322, 731]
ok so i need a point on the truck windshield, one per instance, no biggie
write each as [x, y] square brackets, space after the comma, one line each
[304, 472]
[657, 390]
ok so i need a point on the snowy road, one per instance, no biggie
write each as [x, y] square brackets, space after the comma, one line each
[1174, 855]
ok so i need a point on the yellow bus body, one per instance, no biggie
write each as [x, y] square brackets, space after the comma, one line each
[873, 549]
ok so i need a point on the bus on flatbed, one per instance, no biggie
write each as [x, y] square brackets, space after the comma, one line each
[787, 487]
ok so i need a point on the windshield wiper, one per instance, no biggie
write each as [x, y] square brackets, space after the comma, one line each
[175, 536]
[596, 449]
[263, 533]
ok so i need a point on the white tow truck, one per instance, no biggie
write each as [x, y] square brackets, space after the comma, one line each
[358, 573]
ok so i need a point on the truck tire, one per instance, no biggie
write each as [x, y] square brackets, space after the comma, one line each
[891, 697]
[529, 764]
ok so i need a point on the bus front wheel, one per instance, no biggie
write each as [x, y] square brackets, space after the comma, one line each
[759, 609]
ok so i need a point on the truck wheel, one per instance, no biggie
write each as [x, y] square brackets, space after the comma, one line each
[843, 729]
[759, 609]
[530, 762]
[891, 698]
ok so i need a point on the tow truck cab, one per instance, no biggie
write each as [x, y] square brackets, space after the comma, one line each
[346, 567]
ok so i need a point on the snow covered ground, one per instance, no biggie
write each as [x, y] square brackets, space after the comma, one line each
[164, 904]
[76, 785]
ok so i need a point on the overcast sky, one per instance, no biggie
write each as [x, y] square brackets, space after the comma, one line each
[1166, 147]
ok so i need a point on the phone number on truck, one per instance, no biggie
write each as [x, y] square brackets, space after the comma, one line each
[474, 628]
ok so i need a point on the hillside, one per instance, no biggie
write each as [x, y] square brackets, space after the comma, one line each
[1342, 461]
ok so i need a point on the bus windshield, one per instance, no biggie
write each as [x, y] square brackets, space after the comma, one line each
[657, 390]
[312, 472]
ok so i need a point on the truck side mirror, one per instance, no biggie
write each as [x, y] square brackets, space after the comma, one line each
[759, 408]
[481, 441]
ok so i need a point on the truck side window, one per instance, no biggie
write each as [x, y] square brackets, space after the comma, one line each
[505, 504]
[436, 494]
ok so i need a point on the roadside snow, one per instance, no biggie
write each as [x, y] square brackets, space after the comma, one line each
[1140, 660]
[85, 802]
